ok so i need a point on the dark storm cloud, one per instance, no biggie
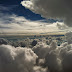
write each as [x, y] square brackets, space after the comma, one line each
[57, 9]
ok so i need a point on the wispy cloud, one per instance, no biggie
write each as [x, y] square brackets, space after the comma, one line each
[11, 23]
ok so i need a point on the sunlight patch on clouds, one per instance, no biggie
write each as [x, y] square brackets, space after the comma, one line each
[13, 23]
[27, 4]
[19, 24]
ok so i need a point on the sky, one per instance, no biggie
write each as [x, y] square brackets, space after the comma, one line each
[17, 18]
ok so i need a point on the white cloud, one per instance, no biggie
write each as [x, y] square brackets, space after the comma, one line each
[19, 24]
[56, 58]
[16, 59]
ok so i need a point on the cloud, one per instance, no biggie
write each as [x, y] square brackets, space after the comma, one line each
[56, 9]
[62, 26]
[19, 24]
[68, 36]
[16, 59]
[14, 24]
[3, 41]
[52, 57]
[40, 69]
[41, 49]
[66, 57]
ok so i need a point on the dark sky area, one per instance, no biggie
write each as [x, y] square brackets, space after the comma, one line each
[19, 10]
[10, 2]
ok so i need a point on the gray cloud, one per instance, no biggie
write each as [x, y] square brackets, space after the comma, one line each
[57, 9]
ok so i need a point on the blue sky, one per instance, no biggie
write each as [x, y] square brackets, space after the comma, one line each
[19, 10]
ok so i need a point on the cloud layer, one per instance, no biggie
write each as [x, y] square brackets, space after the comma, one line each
[19, 24]
[40, 58]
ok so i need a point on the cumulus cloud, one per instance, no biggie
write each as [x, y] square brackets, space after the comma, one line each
[16, 59]
[52, 61]
[57, 9]
[50, 58]
[66, 57]
[41, 49]
[57, 58]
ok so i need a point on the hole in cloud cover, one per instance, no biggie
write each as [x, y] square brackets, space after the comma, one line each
[57, 9]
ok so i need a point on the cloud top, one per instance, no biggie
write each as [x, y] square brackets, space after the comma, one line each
[16, 59]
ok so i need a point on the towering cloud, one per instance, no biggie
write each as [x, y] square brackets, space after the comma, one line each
[57, 9]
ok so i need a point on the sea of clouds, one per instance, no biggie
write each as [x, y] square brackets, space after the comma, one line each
[39, 57]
